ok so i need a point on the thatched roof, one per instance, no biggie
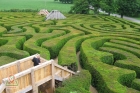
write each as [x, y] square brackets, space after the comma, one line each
[43, 12]
[55, 14]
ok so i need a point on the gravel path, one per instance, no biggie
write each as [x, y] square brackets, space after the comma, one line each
[127, 18]
[124, 17]
[92, 89]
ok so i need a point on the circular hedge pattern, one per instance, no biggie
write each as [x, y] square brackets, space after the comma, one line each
[109, 46]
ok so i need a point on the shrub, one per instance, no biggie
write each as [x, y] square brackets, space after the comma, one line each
[79, 83]
[55, 45]
[136, 84]
[91, 60]
[69, 50]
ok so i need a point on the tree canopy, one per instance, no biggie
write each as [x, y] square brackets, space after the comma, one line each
[122, 7]
[80, 7]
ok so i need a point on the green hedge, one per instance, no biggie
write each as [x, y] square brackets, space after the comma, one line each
[32, 44]
[123, 47]
[16, 29]
[107, 78]
[79, 83]
[126, 43]
[2, 30]
[11, 47]
[69, 50]
[5, 60]
[136, 84]
[55, 45]
[3, 41]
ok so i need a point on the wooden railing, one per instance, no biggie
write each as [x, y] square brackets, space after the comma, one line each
[33, 77]
[16, 67]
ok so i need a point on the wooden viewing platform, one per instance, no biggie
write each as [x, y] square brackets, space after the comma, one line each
[28, 78]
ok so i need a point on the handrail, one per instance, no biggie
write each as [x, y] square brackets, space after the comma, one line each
[2, 87]
[32, 70]
[64, 68]
[15, 62]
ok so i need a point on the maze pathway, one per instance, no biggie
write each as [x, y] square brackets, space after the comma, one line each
[109, 46]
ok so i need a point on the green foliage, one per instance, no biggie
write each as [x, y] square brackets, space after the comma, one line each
[127, 7]
[80, 7]
[108, 6]
[33, 5]
[111, 56]
[92, 60]
[136, 84]
[5, 60]
[66, 1]
[79, 83]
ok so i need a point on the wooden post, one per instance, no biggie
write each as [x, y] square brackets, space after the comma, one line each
[18, 66]
[53, 79]
[35, 88]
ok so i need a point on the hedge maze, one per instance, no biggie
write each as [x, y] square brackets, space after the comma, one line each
[109, 47]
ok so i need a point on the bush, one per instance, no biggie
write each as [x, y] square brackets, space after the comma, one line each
[2, 30]
[136, 84]
[91, 60]
[69, 50]
[10, 49]
[79, 83]
[55, 45]
[33, 44]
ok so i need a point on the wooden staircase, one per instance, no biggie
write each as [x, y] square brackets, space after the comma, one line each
[24, 77]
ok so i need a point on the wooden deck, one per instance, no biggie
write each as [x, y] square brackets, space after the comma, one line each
[29, 78]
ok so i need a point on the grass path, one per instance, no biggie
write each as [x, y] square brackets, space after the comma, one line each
[34, 4]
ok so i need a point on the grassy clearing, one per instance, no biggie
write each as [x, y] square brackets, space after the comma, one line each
[34, 4]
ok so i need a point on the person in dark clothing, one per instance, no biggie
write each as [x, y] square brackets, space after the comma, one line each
[36, 60]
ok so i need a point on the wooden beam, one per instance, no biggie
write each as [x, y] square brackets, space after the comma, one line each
[28, 88]
[2, 87]
[58, 78]
[15, 62]
[64, 68]
[34, 87]
[67, 75]
[43, 65]
[43, 81]
[53, 78]
[59, 71]
[18, 66]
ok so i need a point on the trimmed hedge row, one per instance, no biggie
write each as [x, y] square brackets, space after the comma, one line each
[136, 84]
[28, 33]
[2, 30]
[101, 72]
[123, 47]
[55, 45]
[5, 60]
[78, 27]
[11, 48]
[3, 41]
[132, 36]
[16, 29]
[129, 43]
[32, 44]
[69, 50]
[124, 59]
[79, 83]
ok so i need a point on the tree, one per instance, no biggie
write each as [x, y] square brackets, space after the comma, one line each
[96, 4]
[108, 6]
[127, 7]
[66, 1]
[80, 7]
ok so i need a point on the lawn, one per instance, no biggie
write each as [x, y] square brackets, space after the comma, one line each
[34, 4]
